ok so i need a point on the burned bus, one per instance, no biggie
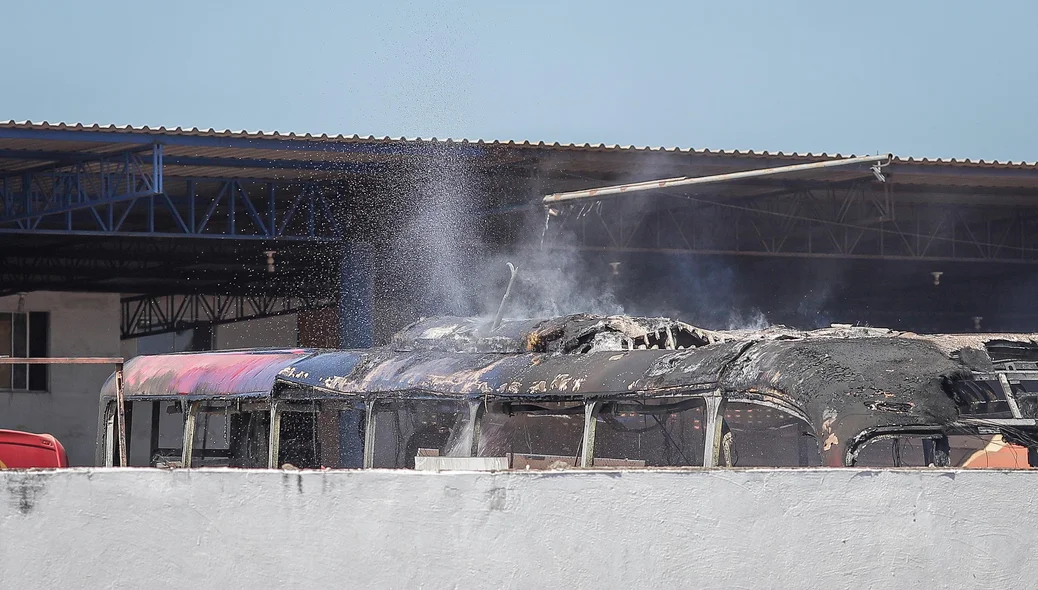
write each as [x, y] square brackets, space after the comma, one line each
[585, 391]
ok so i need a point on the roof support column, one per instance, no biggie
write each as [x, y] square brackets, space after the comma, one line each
[476, 410]
[713, 452]
[591, 410]
[355, 286]
[190, 417]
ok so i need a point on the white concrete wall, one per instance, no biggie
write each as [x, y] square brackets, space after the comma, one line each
[381, 529]
[265, 332]
[81, 324]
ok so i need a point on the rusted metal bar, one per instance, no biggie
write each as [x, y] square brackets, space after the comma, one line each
[606, 191]
[1007, 389]
[190, 416]
[69, 360]
[120, 404]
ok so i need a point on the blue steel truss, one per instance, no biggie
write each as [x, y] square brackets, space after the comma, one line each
[34, 195]
[239, 209]
[125, 194]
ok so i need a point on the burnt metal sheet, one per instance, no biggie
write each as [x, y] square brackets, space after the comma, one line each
[515, 376]
[464, 334]
[570, 333]
[848, 383]
[982, 398]
[850, 387]
[846, 388]
[230, 374]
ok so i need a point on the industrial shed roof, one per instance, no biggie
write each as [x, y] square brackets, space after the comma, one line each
[193, 152]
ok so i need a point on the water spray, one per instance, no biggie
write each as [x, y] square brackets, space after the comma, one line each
[549, 213]
[508, 290]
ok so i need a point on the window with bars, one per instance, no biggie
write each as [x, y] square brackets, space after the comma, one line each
[23, 335]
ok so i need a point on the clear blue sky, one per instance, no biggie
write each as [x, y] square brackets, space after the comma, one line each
[949, 78]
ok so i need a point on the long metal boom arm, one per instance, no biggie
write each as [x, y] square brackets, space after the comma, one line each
[596, 193]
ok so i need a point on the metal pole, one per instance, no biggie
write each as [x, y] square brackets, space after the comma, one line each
[476, 408]
[587, 456]
[62, 360]
[274, 442]
[156, 416]
[370, 422]
[187, 455]
[120, 402]
[1007, 389]
[109, 450]
[508, 290]
[714, 415]
[606, 191]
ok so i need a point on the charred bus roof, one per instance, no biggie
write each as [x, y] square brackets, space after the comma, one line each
[578, 333]
[849, 384]
[197, 375]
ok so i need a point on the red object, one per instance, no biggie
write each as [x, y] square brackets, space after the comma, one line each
[24, 450]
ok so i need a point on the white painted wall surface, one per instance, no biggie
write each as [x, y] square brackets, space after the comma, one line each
[81, 324]
[383, 529]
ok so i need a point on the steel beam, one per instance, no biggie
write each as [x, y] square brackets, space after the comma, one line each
[682, 181]
[146, 315]
[229, 209]
[272, 164]
[21, 269]
[29, 198]
[67, 157]
[148, 266]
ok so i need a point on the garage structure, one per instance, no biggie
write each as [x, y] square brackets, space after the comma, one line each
[157, 212]
[135, 232]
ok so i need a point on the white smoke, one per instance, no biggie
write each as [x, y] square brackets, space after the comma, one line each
[754, 320]
[444, 262]
[553, 279]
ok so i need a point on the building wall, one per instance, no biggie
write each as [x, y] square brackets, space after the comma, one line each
[320, 328]
[81, 324]
[86, 324]
[265, 332]
[594, 529]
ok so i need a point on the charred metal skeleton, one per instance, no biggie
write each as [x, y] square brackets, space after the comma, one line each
[844, 386]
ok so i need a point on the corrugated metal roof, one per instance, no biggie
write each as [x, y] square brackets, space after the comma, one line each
[556, 146]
